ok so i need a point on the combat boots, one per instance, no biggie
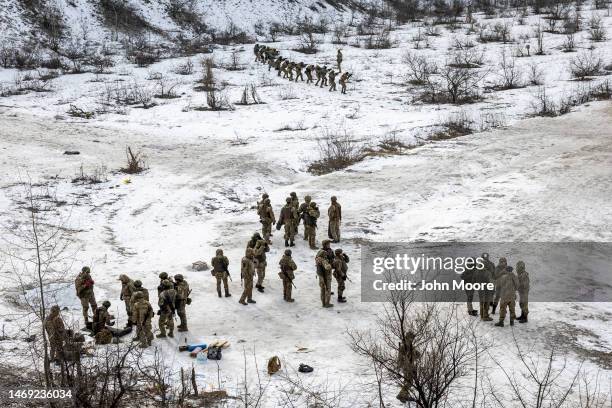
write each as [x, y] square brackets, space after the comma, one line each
[328, 305]
[182, 328]
[227, 294]
[161, 336]
[500, 323]
[171, 334]
[219, 293]
[341, 299]
[494, 308]
[511, 322]
[292, 243]
[286, 242]
[523, 319]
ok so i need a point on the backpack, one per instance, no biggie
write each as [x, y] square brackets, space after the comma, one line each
[214, 353]
[274, 365]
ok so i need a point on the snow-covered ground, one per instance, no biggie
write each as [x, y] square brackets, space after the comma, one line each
[537, 179]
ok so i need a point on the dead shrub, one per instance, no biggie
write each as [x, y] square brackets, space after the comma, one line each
[337, 151]
[135, 162]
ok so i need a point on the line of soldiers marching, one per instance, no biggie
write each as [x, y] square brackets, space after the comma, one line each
[324, 76]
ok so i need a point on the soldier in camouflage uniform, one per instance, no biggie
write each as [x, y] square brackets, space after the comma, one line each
[182, 300]
[287, 274]
[298, 71]
[287, 218]
[56, 333]
[334, 212]
[523, 290]
[310, 224]
[308, 71]
[101, 318]
[278, 64]
[506, 287]
[343, 80]
[220, 271]
[259, 247]
[143, 315]
[339, 60]
[295, 202]
[302, 211]
[84, 286]
[340, 267]
[469, 276]
[323, 76]
[256, 52]
[166, 302]
[332, 80]
[485, 296]
[323, 260]
[267, 219]
[247, 270]
[500, 269]
[318, 74]
[162, 277]
[138, 289]
[127, 288]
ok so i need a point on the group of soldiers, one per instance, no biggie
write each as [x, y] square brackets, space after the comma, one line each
[507, 284]
[324, 76]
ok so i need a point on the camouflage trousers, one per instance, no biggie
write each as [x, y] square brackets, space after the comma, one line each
[128, 310]
[524, 308]
[181, 312]
[261, 273]
[332, 86]
[299, 75]
[311, 232]
[325, 286]
[343, 87]
[56, 346]
[502, 309]
[166, 321]
[484, 298]
[266, 229]
[287, 288]
[309, 78]
[86, 302]
[470, 299]
[247, 292]
[144, 333]
[334, 230]
[289, 231]
[341, 286]
[222, 277]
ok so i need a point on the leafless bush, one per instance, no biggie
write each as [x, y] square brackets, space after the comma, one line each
[340, 34]
[231, 34]
[122, 17]
[538, 34]
[100, 62]
[165, 88]
[535, 74]
[460, 85]
[135, 161]
[184, 13]
[454, 125]
[498, 32]
[77, 112]
[569, 44]
[234, 63]
[185, 68]
[76, 53]
[510, 74]
[597, 31]
[308, 43]
[98, 175]
[463, 43]
[586, 64]
[419, 67]
[379, 40]
[208, 79]
[543, 104]
[337, 150]
[298, 126]
[218, 100]
[286, 93]
[467, 58]
[250, 96]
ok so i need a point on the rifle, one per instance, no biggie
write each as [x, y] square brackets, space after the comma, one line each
[228, 274]
[287, 276]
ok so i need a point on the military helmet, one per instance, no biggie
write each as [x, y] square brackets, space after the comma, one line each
[178, 277]
[267, 201]
[326, 242]
[509, 269]
[338, 251]
[265, 195]
[106, 304]
[85, 269]
[503, 260]
[293, 194]
[334, 199]
[485, 255]
[256, 235]
[313, 204]
[166, 283]
[55, 309]
[138, 283]
[163, 275]
[288, 252]
[219, 252]
[307, 198]
[520, 266]
[123, 278]
[288, 200]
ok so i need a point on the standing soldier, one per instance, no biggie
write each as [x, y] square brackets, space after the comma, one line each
[127, 288]
[332, 80]
[302, 212]
[295, 202]
[167, 300]
[162, 277]
[308, 71]
[523, 290]
[486, 275]
[343, 80]
[506, 286]
[469, 276]
[340, 266]
[256, 52]
[259, 247]
[287, 218]
[298, 71]
[323, 260]
[182, 300]
[142, 315]
[323, 76]
[220, 271]
[56, 333]
[339, 60]
[500, 269]
[287, 274]
[334, 212]
[310, 224]
[247, 270]
[267, 219]
[138, 289]
[85, 291]
[278, 64]
[318, 74]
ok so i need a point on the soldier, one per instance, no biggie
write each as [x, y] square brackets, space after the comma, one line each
[406, 361]
[162, 277]
[259, 247]
[143, 314]
[308, 71]
[101, 318]
[523, 290]
[267, 219]
[220, 271]
[283, 68]
[56, 334]
[500, 269]
[486, 275]
[506, 286]
[318, 74]
[332, 80]
[298, 71]
[295, 202]
[339, 60]
[256, 52]
[340, 267]
[166, 302]
[323, 76]
[343, 80]
[334, 212]
[310, 224]
[278, 65]
[287, 218]
[182, 300]
[85, 291]
[469, 276]
[127, 288]
[247, 269]
[302, 211]
[287, 274]
[138, 289]
[323, 260]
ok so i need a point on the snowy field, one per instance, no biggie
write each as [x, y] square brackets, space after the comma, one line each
[528, 179]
